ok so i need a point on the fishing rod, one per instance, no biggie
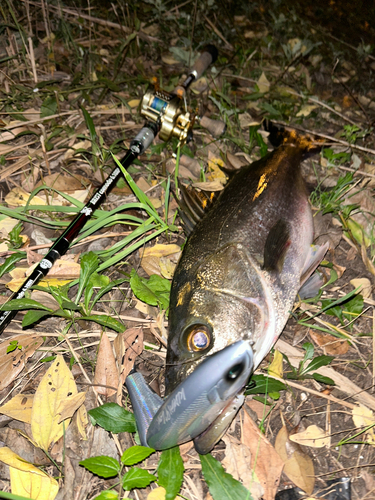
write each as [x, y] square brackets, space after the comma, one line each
[165, 115]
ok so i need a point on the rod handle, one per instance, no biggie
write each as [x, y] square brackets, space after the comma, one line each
[208, 57]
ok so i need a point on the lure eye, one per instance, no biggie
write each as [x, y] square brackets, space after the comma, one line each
[235, 371]
[199, 338]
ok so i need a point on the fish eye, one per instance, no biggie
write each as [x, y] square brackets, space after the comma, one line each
[199, 338]
[235, 371]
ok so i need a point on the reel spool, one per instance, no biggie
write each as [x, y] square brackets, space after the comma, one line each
[167, 111]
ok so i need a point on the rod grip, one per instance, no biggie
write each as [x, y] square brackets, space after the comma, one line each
[208, 57]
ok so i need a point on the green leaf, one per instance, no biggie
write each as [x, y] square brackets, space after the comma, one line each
[102, 466]
[136, 454]
[171, 472]
[106, 321]
[317, 363]
[137, 478]
[264, 385]
[89, 264]
[222, 485]
[107, 495]
[309, 354]
[353, 306]
[33, 316]
[49, 107]
[154, 291]
[9, 263]
[113, 418]
[89, 124]
[323, 379]
[21, 304]
[70, 305]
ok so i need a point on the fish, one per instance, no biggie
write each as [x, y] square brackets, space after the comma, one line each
[242, 266]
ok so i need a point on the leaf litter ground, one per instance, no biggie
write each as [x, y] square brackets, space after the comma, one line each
[276, 61]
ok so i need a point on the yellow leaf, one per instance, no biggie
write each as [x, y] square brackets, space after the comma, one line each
[82, 421]
[56, 385]
[306, 110]
[26, 480]
[69, 405]
[363, 417]
[19, 407]
[276, 367]
[134, 103]
[209, 186]
[365, 285]
[167, 267]
[157, 494]
[263, 83]
[15, 284]
[6, 225]
[215, 172]
[313, 436]
[154, 259]
[18, 197]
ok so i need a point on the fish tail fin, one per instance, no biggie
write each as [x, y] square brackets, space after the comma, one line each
[279, 135]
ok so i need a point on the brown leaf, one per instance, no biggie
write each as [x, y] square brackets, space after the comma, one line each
[300, 469]
[298, 466]
[313, 436]
[106, 373]
[13, 363]
[128, 345]
[264, 459]
[69, 405]
[331, 345]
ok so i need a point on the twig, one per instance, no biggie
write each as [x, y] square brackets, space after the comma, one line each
[218, 33]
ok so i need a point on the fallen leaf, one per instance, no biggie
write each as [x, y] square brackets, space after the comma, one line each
[127, 345]
[331, 345]
[18, 197]
[297, 465]
[6, 225]
[276, 367]
[265, 462]
[215, 172]
[27, 480]
[154, 259]
[56, 385]
[70, 405]
[19, 407]
[263, 83]
[363, 417]
[157, 494]
[209, 185]
[313, 436]
[365, 285]
[106, 376]
[12, 363]
[306, 110]
[300, 469]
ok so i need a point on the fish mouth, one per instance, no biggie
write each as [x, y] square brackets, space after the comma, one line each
[205, 403]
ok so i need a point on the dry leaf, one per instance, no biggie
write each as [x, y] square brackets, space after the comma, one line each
[56, 385]
[265, 462]
[128, 345]
[27, 480]
[18, 197]
[70, 405]
[154, 259]
[13, 363]
[209, 186]
[300, 469]
[19, 407]
[297, 465]
[215, 172]
[313, 436]
[236, 462]
[365, 285]
[276, 367]
[331, 345]
[263, 83]
[6, 225]
[306, 110]
[363, 417]
[106, 376]
[157, 494]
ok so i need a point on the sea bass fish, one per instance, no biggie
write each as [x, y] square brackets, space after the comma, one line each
[237, 279]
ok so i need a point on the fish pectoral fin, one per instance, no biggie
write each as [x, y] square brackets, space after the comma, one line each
[193, 205]
[311, 286]
[313, 259]
[277, 244]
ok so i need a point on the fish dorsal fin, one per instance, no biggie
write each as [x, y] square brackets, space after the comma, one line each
[277, 244]
[193, 205]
